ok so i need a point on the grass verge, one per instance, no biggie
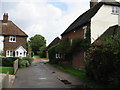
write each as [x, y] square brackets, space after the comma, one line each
[44, 58]
[6, 69]
[79, 74]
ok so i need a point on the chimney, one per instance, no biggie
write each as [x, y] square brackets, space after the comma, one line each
[5, 18]
[118, 16]
[93, 3]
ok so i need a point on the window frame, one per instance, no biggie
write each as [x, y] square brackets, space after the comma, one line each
[12, 39]
[115, 10]
[9, 53]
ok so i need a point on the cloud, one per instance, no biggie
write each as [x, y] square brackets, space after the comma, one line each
[45, 17]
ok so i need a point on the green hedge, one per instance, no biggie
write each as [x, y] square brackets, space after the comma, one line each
[7, 61]
[103, 62]
[52, 54]
[7, 69]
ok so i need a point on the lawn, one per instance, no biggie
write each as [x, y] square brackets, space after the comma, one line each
[6, 69]
[44, 58]
[80, 74]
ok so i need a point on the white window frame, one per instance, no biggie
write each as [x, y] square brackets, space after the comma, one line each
[9, 53]
[115, 10]
[85, 30]
[12, 39]
[71, 41]
[57, 55]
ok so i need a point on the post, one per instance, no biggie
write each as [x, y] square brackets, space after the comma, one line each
[15, 66]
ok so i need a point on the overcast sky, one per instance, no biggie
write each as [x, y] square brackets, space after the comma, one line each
[49, 18]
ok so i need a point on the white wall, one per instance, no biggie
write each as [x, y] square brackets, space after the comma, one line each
[1, 42]
[21, 51]
[102, 21]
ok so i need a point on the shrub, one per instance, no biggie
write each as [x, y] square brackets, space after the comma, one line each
[103, 62]
[25, 62]
[8, 61]
[52, 54]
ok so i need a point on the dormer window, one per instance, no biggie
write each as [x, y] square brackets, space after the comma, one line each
[12, 39]
[114, 10]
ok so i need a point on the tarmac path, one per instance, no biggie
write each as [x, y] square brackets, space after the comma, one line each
[40, 75]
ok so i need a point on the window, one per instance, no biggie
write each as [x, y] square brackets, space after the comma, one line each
[71, 41]
[12, 39]
[57, 55]
[16, 53]
[114, 10]
[9, 53]
[24, 53]
[85, 30]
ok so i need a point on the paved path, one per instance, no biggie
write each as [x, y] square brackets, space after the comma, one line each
[40, 75]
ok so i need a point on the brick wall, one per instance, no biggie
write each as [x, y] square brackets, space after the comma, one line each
[13, 45]
[79, 33]
[78, 60]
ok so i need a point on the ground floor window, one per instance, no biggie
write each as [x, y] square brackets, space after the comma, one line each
[9, 53]
[58, 55]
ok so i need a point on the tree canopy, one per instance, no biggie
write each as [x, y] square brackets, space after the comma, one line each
[37, 43]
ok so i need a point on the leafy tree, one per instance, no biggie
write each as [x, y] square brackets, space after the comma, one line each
[37, 43]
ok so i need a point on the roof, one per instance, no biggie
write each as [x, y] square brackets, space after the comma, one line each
[111, 31]
[10, 28]
[86, 17]
[54, 42]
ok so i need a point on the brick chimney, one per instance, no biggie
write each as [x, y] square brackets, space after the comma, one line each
[5, 18]
[93, 3]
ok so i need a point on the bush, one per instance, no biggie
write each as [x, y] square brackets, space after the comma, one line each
[103, 63]
[25, 62]
[8, 61]
[52, 54]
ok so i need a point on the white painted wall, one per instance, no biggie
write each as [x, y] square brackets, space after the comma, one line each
[21, 51]
[102, 20]
[1, 42]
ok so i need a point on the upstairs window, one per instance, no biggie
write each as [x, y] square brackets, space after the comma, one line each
[85, 30]
[12, 39]
[115, 10]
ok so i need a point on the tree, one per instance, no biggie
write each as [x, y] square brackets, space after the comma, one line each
[37, 43]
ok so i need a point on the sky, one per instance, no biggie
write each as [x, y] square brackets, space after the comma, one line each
[49, 18]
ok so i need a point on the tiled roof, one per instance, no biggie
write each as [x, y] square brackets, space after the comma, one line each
[10, 28]
[86, 17]
[54, 42]
[111, 31]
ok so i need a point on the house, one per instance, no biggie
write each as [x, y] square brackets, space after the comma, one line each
[12, 39]
[54, 42]
[97, 19]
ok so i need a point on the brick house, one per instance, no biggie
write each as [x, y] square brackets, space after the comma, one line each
[12, 39]
[54, 42]
[97, 19]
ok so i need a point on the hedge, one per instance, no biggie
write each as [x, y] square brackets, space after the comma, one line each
[8, 61]
[103, 63]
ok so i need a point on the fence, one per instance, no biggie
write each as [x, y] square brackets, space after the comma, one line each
[15, 66]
